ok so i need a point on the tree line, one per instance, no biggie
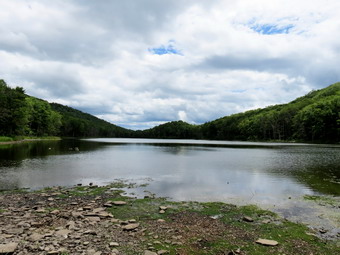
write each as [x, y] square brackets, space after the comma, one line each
[23, 115]
[314, 117]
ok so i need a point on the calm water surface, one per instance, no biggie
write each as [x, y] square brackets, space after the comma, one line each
[180, 169]
[271, 175]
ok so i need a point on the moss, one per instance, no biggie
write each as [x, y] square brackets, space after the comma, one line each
[147, 208]
[323, 200]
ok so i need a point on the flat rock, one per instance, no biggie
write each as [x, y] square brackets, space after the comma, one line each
[163, 208]
[15, 231]
[130, 227]
[161, 252]
[114, 244]
[147, 252]
[98, 210]
[8, 248]
[62, 233]
[35, 237]
[248, 219]
[267, 242]
[93, 219]
[119, 202]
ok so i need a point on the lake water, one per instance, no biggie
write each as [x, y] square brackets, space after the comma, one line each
[180, 169]
[275, 176]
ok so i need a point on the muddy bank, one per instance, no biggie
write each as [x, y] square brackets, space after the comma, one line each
[95, 220]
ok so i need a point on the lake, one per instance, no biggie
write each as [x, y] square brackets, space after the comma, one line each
[180, 169]
[275, 176]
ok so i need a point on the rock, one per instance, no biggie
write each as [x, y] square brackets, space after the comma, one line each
[62, 233]
[93, 219]
[98, 210]
[105, 215]
[90, 232]
[161, 211]
[130, 227]
[8, 248]
[147, 252]
[161, 252]
[163, 208]
[115, 252]
[35, 237]
[71, 225]
[266, 221]
[248, 219]
[323, 231]
[55, 212]
[15, 231]
[160, 220]
[119, 203]
[114, 244]
[53, 253]
[267, 242]
[36, 224]
[77, 215]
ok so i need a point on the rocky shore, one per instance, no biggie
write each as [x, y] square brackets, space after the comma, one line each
[95, 220]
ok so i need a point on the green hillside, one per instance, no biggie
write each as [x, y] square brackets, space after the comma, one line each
[79, 124]
[314, 117]
[23, 115]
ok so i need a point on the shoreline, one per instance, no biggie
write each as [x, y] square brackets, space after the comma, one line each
[30, 140]
[103, 220]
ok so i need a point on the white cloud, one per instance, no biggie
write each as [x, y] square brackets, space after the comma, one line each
[96, 56]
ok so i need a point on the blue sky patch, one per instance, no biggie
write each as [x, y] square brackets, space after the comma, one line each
[271, 29]
[162, 50]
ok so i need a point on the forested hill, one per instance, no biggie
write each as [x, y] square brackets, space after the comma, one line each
[314, 117]
[79, 124]
[23, 115]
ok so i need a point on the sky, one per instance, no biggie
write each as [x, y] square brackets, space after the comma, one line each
[142, 63]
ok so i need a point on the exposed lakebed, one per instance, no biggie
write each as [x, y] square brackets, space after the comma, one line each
[272, 175]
